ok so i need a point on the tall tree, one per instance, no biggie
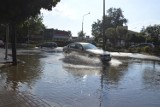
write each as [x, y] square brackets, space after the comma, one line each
[97, 29]
[152, 34]
[31, 26]
[14, 12]
[113, 18]
[116, 17]
[121, 33]
[81, 34]
[111, 35]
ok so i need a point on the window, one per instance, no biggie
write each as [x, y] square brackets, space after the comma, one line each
[72, 46]
[78, 46]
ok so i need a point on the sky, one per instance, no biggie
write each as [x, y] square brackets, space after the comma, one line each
[68, 14]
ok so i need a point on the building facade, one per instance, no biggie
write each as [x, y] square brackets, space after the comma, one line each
[57, 35]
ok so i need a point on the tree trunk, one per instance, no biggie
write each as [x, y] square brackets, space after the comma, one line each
[13, 42]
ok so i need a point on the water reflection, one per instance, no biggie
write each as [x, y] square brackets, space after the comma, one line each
[77, 81]
[151, 76]
[81, 60]
[109, 76]
[110, 73]
[23, 74]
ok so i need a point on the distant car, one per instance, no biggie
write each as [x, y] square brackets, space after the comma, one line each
[143, 45]
[48, 45]
[1, 44]
[88, 49]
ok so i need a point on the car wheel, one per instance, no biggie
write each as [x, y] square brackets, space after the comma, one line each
[105, 62]
[90, 55]
[66, 52]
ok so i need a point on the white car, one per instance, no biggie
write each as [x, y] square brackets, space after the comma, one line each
[89, 50]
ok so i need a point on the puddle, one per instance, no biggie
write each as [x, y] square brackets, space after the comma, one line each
[84, 61]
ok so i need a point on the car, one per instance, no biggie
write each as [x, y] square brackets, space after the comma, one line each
[87, 49]
[48, 45]
[1, 44]
[141, 45]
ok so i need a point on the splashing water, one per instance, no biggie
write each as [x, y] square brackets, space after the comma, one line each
[81, 60]
[115, 62]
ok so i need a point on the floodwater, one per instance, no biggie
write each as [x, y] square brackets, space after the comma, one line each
[78, 81]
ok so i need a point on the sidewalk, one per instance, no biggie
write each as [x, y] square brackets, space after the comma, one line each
[18, 99]
[12, 99]
[3, 61]
[22, 99]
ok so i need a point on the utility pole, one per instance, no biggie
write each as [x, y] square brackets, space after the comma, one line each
[104, 37]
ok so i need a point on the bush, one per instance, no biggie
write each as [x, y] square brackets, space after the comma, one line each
[147, 49]
[138, 49]
[130, 49]
[157, 50]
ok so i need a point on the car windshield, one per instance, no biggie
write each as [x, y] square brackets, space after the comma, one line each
[88, 46]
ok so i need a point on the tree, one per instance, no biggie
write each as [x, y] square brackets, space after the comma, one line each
[31, 26]
[152, 34]
[14, 12]
[121, 33]
[116, 17]
[113, 19]
[97, 29]
[111, 35]
[134, 38]
[81, 34]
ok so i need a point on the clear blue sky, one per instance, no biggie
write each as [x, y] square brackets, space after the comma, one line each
[68, 14]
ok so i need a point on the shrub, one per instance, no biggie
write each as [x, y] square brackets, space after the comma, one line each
[130, 49]
[138, 49]
[147, 49]
[157, 50]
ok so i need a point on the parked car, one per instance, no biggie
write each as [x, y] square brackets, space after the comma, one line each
[89, 50]
[48, 45]
[143, 45]
[1, 44]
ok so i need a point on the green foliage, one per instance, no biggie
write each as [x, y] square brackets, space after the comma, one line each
[17, 11]
[111, 34]
[116, 17]
[135, 38]
[130, 49]
[151, 34]
[121, 32]
[113, 19]
[157, 50]
[81, 34]
[97, 28]
[138, 49]
[31, 26]
[147, 49]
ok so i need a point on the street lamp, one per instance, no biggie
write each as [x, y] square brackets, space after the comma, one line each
[83, 20]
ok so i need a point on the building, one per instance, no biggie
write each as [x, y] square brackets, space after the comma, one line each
[61, 37]
[57, 35]
[80, 39]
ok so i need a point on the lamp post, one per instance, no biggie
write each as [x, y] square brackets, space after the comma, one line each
[104, 38]
[83, 20]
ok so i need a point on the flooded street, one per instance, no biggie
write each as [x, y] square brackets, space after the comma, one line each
[78, 81]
